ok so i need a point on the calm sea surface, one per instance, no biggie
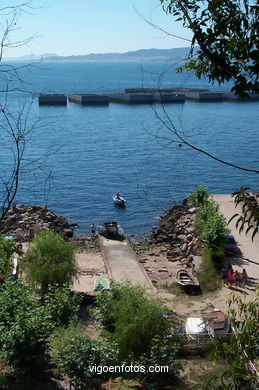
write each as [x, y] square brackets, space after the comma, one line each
[99, 151]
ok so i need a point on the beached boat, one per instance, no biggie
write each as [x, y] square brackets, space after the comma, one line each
[218, 324]
[195, 328]
[101, 284]
[119, 201]
[215, 325]
[186, 279]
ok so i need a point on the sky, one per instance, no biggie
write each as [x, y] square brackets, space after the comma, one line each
[66, 27]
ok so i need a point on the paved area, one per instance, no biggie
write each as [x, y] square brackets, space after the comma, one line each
[122, 264]
[249, 248]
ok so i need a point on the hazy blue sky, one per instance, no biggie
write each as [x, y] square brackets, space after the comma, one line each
[91, 26]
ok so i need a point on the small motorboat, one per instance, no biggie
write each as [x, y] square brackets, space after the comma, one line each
[186, 279]
[119, 200]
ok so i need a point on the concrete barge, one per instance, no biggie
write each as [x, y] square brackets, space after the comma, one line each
[146, 96]
[52, 100]
[89, 99]
[132, 98]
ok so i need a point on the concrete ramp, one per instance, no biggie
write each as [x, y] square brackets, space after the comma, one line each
[122, 264]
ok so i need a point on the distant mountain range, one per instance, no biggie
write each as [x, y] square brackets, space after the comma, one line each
[138, 55]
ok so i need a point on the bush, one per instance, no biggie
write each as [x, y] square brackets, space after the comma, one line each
[24, 329]
[75, 354]
[211, 225]
[162, 353]
[7, 248]
[26, 323]
[208, 276]
[199, 196]
[133, 318]
[61, 304]
[49, 260]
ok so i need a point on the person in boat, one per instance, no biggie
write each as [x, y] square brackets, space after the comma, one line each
[118, 196]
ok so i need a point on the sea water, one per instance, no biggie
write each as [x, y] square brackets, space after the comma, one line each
[95, 151]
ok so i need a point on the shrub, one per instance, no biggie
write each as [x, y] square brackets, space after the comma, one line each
[134, 318]
[61, 304]
[49, 260]
[24, 329]
[75, 354]
[7, 248]
[26, 323]
[199, 196]
[162, 353]
[211, 225]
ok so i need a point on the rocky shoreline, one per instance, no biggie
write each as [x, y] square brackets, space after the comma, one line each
[24, 222]
[178, 231]
[174, 245]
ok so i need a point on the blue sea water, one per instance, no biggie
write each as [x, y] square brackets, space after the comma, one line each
[101, 150]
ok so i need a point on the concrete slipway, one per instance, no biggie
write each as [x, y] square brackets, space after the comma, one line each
[122, 264]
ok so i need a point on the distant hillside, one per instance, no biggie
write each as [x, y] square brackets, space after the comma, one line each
[138, 55]
[31, 57]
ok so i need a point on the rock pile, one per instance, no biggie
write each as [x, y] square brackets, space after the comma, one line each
[178, 232]
[24, 221]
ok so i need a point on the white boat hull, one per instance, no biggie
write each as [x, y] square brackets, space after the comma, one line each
[119, 201]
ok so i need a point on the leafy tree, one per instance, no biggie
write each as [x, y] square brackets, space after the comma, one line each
[7, 248]
[249, 219]
[49, 260]
[226, 32]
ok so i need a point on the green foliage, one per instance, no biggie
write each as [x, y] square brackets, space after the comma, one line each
[27, 321]
[227, 34]
[212, 225]
[134, 318]
[244, 317]
[238, 351]
[162, 352]
[249, 219]
[229, 380]
[75, 353]
[7, 248]
[208, 275]
[49, 260]
[61, 304]
[24, 328]
[199, 196]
